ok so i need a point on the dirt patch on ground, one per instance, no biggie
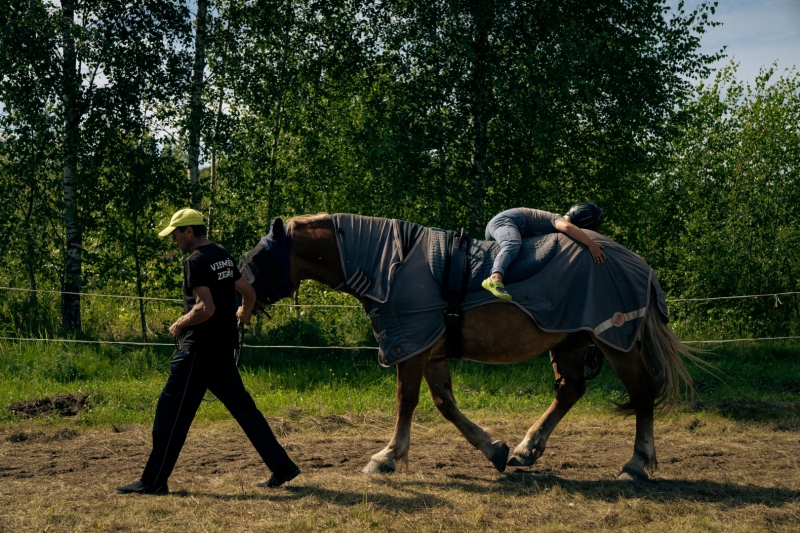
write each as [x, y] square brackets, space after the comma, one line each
[61, 404]
[714, 475]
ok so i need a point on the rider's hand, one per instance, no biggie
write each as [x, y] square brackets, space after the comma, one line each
[597, 252]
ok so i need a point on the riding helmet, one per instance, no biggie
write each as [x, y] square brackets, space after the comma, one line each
[586, 215]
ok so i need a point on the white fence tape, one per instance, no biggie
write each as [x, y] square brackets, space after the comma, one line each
[132, 343]
[19, 339]
[99, 295]
[287, 347]
[178, 300]
[741, 340]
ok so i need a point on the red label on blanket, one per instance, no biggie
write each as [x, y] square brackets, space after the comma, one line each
[618, 319]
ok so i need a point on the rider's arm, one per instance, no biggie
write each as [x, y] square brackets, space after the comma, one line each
[577, 233]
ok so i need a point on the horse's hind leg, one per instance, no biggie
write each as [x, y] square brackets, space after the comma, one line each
[642, 392]
[409, 379]
[437, 374]
[568, 371]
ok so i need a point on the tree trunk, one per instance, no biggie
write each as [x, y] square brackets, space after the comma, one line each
[139, 291]
[297, 302]
[137, 264]
[479, 94]
[196, 102]
[30, 254]
[442, 188]
[71, 303]
[213, 184]
[273, 165]
[283, 83]
[272, 169]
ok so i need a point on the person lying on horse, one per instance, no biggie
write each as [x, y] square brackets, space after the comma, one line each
[510, 227]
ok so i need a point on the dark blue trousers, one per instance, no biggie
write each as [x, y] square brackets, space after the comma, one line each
[192, 372]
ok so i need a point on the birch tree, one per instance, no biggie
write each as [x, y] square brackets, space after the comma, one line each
[196, 107]
[103, 59]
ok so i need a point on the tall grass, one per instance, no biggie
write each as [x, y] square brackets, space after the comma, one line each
[762, 379]
[757, 380]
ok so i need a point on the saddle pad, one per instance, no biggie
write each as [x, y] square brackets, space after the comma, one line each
[534, 254]
[569, 293]
[412, 319]
[370, 250]
[573, 293]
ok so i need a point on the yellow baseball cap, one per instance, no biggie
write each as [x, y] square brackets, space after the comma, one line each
[183, 217]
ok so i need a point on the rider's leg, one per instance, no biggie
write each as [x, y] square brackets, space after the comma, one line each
[505, 229]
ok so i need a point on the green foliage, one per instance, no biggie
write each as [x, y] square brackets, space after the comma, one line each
[86, 91]
[442, 112]
[469, 108]
[722, 216]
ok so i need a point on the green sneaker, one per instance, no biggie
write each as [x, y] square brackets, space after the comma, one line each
[498, 289]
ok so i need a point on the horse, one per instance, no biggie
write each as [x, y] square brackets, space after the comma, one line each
[651, 372]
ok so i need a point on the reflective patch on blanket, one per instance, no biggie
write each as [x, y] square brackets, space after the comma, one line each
[618, 319]
[534, 255]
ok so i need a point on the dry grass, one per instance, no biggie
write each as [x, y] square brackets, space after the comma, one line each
[715, 475]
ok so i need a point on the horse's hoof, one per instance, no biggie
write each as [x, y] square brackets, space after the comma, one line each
[522, 459]
[378, 467]
[499, 457]
[631, 474]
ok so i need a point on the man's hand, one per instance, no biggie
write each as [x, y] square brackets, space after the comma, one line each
[248, 300]
[244, 317]
[176, 329]
[597, 252]
[203, 310]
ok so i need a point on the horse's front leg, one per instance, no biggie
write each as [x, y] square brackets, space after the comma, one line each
[437, 374]
[568, 370]
[409, 378]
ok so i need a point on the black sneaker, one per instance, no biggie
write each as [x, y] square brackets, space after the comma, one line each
[277, 480]
[141, 488]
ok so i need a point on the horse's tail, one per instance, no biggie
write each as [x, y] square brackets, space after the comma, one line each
[661, 352]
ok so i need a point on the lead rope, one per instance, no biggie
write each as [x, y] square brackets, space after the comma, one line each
[238, 353]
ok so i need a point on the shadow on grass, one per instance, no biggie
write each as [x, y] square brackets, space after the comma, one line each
[416, 498]
[657, 490]
[521, 483]
[754, 410]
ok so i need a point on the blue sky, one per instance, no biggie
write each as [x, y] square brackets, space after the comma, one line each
[757, 33]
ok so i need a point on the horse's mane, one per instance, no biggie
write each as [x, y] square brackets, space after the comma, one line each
[303, 220]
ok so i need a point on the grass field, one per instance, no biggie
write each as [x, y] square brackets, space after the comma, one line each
[728, 462]
[755, 381]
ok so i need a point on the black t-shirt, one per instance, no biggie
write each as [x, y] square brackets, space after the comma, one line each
[211, 266]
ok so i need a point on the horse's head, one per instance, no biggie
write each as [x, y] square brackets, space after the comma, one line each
[266, 267]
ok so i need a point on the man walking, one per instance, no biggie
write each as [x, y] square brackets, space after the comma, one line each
[204, 360]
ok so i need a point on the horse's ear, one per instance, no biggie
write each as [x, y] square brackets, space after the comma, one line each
[278, 231]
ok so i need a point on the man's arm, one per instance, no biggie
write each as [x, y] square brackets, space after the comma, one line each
[248, 300]
[577, 233]
[203, 310]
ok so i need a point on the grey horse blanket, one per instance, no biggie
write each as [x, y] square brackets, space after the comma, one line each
[394, 269]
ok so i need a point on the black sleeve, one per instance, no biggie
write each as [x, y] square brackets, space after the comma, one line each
[197, 273]
[236, 273]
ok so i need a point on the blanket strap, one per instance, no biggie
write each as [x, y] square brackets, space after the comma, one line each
[454, 289]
